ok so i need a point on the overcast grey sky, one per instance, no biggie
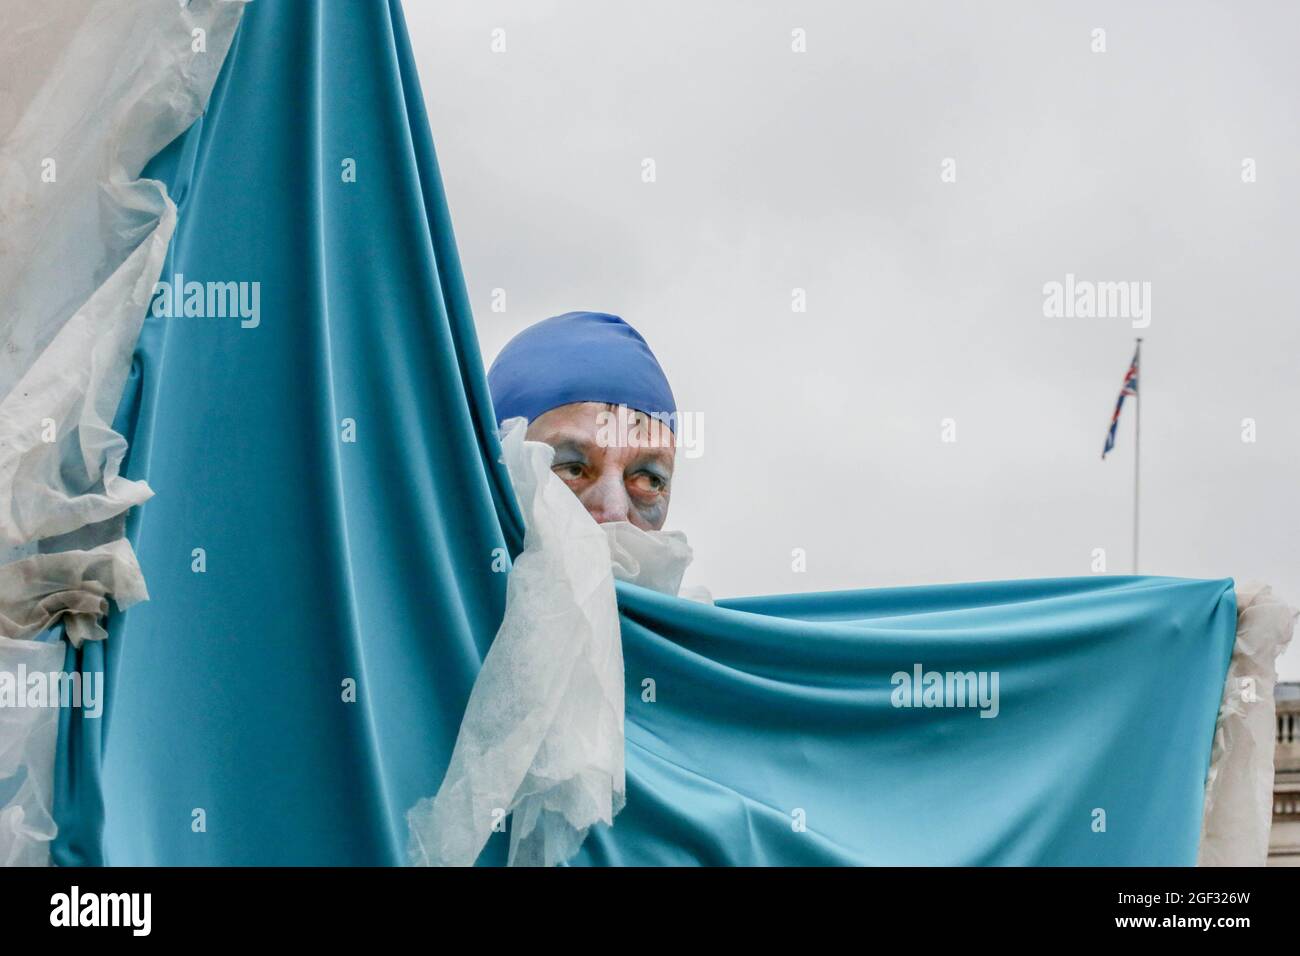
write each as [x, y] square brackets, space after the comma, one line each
[821, 170]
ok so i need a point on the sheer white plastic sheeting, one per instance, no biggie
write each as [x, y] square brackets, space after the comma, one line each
[1239, 787]
[542, 735]
[91, 92]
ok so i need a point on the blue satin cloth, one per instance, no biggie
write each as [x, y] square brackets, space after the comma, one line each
[760, 731]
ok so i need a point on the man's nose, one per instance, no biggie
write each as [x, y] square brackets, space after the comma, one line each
[607, 500]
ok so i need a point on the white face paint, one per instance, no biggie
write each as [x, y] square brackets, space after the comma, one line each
[617, 461]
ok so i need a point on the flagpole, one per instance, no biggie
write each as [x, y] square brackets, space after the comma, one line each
[1137, 448]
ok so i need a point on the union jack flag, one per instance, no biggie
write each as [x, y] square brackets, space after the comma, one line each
[1130, 387]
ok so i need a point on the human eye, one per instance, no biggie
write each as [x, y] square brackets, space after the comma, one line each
[568, 470]
[647, 482]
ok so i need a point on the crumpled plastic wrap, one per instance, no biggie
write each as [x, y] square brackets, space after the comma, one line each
[28, 739]
[542, 735]
[90, 93]
[36, 593]
[82, 239]
[72, 587]
[1239, 786]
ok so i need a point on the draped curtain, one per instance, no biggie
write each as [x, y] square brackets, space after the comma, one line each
[323, 558]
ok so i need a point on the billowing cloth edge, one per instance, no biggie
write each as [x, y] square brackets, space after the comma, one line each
[1238, 810]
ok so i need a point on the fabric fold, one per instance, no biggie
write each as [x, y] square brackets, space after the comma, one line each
[28, 736]
[1239, 786]
[69, 587]
[37, 593]
[84, 240]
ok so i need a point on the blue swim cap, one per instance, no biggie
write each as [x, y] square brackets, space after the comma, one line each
[579, 357]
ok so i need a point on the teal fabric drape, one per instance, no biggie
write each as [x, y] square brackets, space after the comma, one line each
[328, 512]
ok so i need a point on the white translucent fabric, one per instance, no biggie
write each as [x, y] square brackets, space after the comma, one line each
[1239, 787]
[36, 593]
[68, 587]
[542, 735]
[83, 237]
[28, 738]
[89, 92]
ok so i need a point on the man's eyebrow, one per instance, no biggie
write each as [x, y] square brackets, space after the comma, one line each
[570, 442]
[663, 457]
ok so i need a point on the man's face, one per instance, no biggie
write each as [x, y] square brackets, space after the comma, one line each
[617, 461]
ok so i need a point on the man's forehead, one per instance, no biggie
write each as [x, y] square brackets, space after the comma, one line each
[588, 425]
